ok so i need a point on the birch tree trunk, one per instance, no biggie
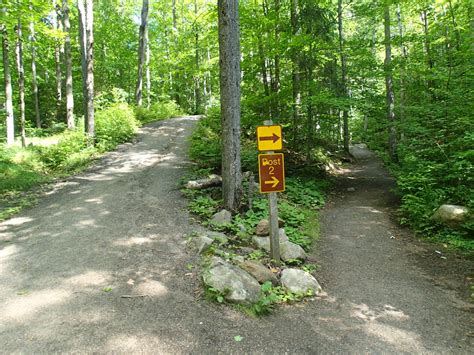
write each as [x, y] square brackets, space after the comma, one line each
[229, 65]
[392, 132]
[86, 19]
[57, 60]
[142, 43]
[34, 76]
[402, 68]
[10, 122]
[345, 114]
[68, 62]
[21, 80]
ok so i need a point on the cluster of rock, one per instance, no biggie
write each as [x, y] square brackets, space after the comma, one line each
[239, 279]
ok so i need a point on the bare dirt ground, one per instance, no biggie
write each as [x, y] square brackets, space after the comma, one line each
[120, 229]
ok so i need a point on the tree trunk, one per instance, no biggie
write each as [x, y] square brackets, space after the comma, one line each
[57, 61]
[345, 114]
[34, 76]
[148, 73]
[68, 62]
[295, 72]
[142, 44]
[197, 86]
[87, 42]
[10, 122]
[276, 81]
[21, 80]
[229, 64]
[392, 132]
[402, 68]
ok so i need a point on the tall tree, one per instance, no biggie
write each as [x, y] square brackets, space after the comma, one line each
[34, 80]
[21, 80]
[57, 58]
[10, 121]
[229, 63]
[68, 62]
[390, 95]
[295, 70]
[142, 45]
[86, 20]
[343, 89]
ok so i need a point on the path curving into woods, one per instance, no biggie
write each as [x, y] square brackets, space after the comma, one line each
[120, 228]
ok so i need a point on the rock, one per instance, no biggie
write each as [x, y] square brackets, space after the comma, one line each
[246, 250]
[221, 238]
[299, 281]
[351, 189]
[259, 271]
[282, 235]
[263, 227]
[264, 242]
[235, 284]
[261, 242]
[451, 215]
[201, 244]
[290, 251]
[221, 218]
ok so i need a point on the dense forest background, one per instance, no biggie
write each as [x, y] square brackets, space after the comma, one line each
[397, 75]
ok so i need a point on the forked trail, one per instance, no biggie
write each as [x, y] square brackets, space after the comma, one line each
[120, 228]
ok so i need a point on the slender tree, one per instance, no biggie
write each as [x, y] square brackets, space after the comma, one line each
[342, 55]
[86, 39]
[21, 80]
[57, 58]
[229, 63]
[34, 80]
[295, 70]
[142, 44]
[68, 62]
[10, 121]
[390, 95]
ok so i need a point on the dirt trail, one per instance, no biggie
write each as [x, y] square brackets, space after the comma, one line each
[120, 228]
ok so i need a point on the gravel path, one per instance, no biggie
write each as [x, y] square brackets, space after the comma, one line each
[120, 229]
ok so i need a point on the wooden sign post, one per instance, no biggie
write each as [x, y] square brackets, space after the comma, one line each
[272, 177]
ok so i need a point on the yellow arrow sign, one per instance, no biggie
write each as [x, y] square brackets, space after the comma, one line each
[274, 182]
[269, 138]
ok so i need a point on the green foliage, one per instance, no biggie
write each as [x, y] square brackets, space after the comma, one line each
[158, 111]
[69, 154]
[203, 206]
[114, 125]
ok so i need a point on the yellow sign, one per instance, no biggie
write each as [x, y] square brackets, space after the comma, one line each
[269, 138]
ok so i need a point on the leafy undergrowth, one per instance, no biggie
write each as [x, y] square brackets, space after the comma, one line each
[52, 153]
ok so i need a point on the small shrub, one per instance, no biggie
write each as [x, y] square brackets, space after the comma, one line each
[57, 157]
[114, 125]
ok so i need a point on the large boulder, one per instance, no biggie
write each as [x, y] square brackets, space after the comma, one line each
[236, 285]
[451, 215]
[290, 251]
[221, 218]
[299, 281]
[259, 271]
